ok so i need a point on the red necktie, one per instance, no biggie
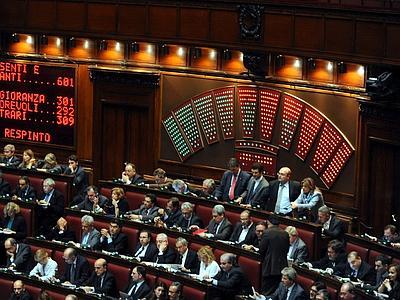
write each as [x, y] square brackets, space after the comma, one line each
[232, 188]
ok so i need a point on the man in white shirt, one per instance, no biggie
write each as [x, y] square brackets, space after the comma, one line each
[186, 258]
[45, 268]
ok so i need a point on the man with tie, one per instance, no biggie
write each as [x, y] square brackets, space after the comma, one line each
[19, 256]
[24, 191]
[298, 251]
[169, 216]
[166, 254]
[76, 270]
[188, 219]
[186, 257]
[50, 208]
[147, 211]
[230, 281]
[256, 192]
[145, 250]
[282, 192]
[233, 182]
[219, 227]
[332, 227]
[254, 242]
[356, 269]
[9, 159]
[244, 230]
[90, 235]
[113, 240]
[138, 288]
[288, 289]
[101, 281]
[45, 268]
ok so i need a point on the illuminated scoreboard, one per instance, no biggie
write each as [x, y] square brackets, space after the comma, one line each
[37, 102]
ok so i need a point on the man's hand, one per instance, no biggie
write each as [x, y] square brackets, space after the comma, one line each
[104, 232]
[62, 223]
[238, 200]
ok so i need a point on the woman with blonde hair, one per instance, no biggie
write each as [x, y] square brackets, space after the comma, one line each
[49, 164]
[14, 221]
[309, 200]
[208, 266]
[28, 160]
[119, 206]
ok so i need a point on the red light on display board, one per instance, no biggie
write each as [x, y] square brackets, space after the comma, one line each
[37, 102]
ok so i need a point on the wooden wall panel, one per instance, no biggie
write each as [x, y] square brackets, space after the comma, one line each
[41, 14]
[339, 35]
[163, 21]
[12, 13]
[71, 16]
[370, 39]
[132, 19]
[309, 32]
[278, 30]
[193, 23]
[102, 18]
[393, 41]
[224, 26]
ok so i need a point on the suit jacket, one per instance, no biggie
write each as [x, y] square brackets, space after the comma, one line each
[257, 197]
[18, 225]
[325, 262]
[234, 283]
[109, 286]
[365, 273]
[167, 257]
[136, 180]
[28, 193]
[192, 262]
[274, 247]
[82, 271]
[294, 192]
[80, 182]
[222, 191]
[142, 292]
[336, 229]
[119, 244]
[299, 251]
[23, 260]
[94, 238]
[152, 213]
[238, 230]
[173, 218]
[185, 224]
[63, 236]
[122, 205]
[55, 209]
[297, 293]
[12, 162]
[150, 253]
[88, 205]
[23, 296]
[224, 231]
[5, 187]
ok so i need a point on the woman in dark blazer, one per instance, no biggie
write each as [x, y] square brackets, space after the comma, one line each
[118, 206]
[14, 221]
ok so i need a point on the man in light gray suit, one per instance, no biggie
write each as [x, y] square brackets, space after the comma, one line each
[90, 235]
[298, 251]
[256, 192]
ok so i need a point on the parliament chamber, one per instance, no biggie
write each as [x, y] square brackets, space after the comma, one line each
[185, 87]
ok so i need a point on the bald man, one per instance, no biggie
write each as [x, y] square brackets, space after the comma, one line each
[19, 292]
[282, 192]
[102, 280]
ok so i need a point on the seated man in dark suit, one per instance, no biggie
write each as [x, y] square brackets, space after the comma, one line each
[113, 240]
[9, 159]
[244, 230]
[147, 211]
[298, 251]
[169, 216]
[90, 235]
[356, 268]
[5, 187]
[102, 281]
[50, 208]
[93, 202]
[19, 256]
[254, 242]
[76, 270]
[207, 190]
[219, 227]
[60, 232]
[138, 288]
[334, 257]
[166, 254]
[181, 187]
[230, 281]
[80, 181]
[24, 191]
[145, 250]
[256, 191]
[186, 257]
[161, 181]
[233, 182]
[19, 292]
[332, 227]
[188, 219]
[129, 176]
[288, 288]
